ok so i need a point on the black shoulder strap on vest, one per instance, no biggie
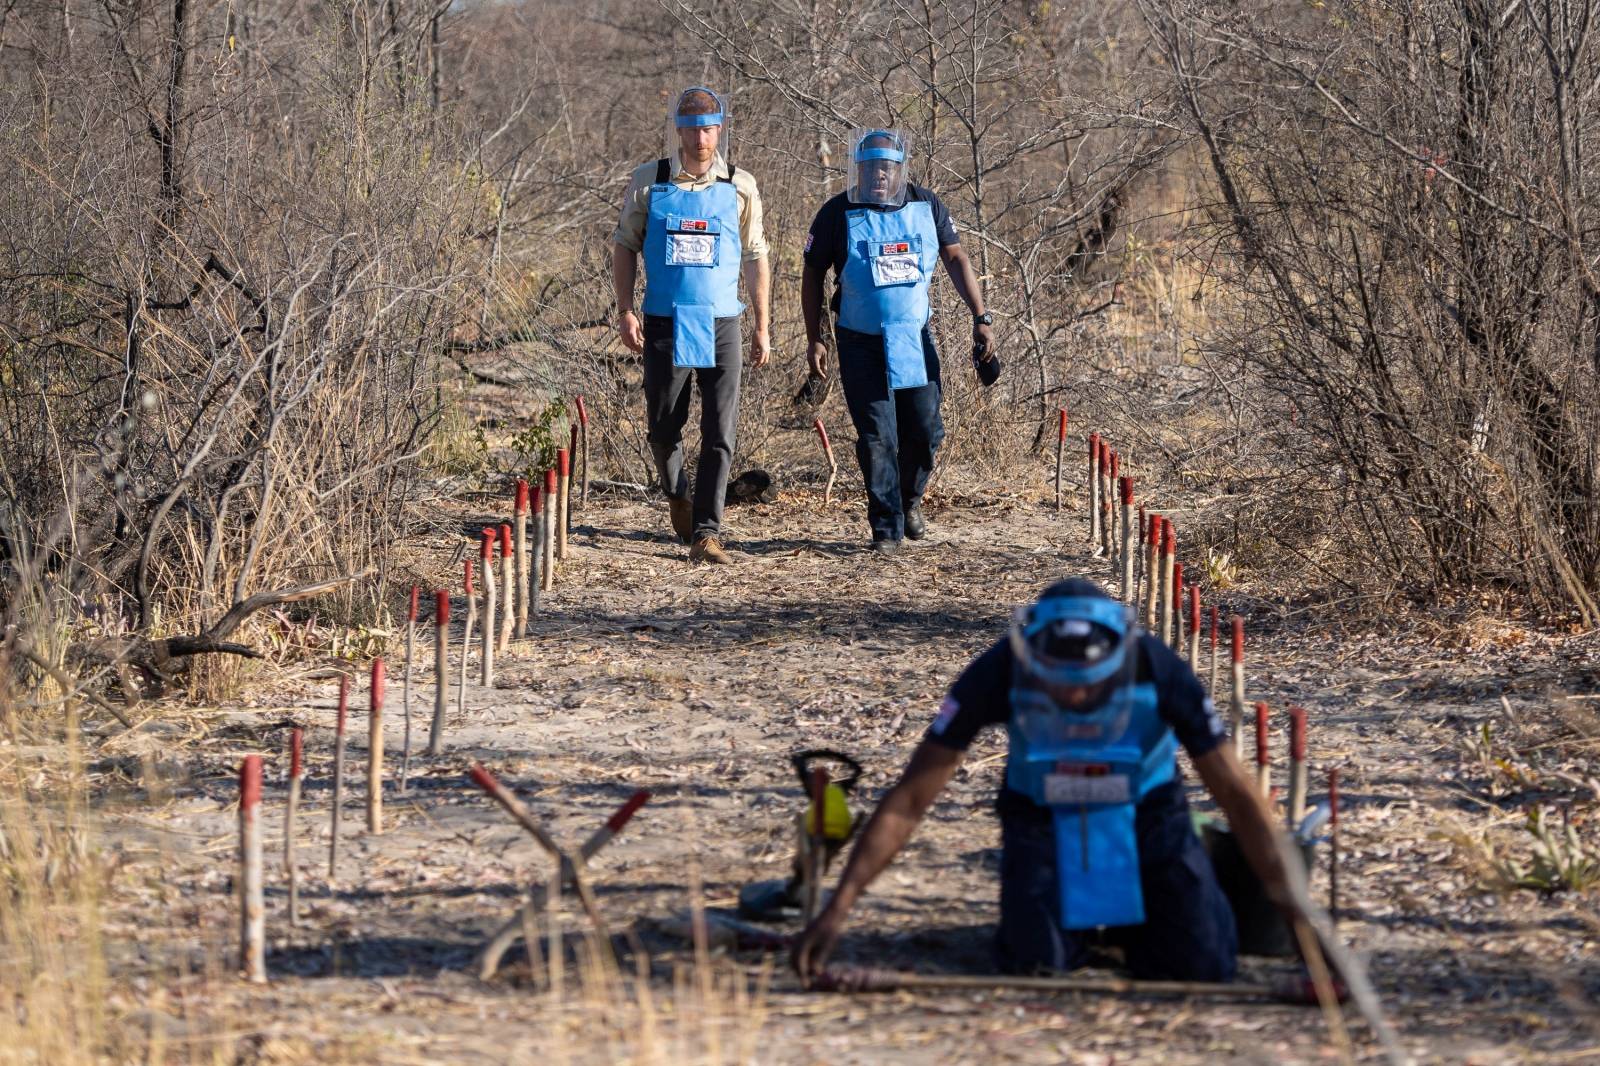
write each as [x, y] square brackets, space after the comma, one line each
[729, 176]
[663, 171]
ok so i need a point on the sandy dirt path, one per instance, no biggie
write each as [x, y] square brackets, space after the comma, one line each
[697, 683]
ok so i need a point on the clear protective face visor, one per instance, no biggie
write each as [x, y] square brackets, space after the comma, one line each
[879, 160]
[703, 129]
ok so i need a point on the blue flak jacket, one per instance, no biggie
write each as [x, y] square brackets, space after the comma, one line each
[883, 289]
[1091, 771]
[692, 255]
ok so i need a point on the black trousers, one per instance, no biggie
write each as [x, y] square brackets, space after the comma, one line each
[898, 431]
[666, 405]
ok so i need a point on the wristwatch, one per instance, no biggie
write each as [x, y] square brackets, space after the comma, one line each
[985, 319]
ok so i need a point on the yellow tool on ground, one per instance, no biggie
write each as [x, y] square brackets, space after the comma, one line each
[775, 901]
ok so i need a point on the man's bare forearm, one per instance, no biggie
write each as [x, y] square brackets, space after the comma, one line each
[964, 278]
[811, 302]
[758, 282]
[897, 817]
[1248, 817]
[624, 272]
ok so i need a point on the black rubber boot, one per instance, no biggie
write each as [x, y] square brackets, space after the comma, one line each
[915, 526]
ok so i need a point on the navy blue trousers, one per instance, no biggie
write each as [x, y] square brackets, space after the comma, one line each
[1188, 933]
[898, 431]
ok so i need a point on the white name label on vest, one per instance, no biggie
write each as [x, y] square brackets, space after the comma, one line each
[691, 249]
[1064, 789]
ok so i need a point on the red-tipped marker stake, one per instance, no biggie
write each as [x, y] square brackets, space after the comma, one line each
[405, 689]
[466, 637]
[583, 454]
[375, 751]
[1125, 488]
[1236, 701]
[1176, 595]
[1061, 443]
[535, 569]
[1113, 511]
[827, 453]
[1094, 489]
[519, 556]
[564, 488]
[552, 515]
[441, 669]
[1104, 487]
[1194, 627]
[491, 599]
[1152, 574]
[1263, 763]
[338, 774]
[1140, 577]
[290, 867]
[507, 592]
[1297, 766]
[572, 476]
[1216, 653]
[252, 907]
[1169, 562]
[1333, 846]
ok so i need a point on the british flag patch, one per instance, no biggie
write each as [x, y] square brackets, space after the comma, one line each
[693, 224]
[809, 238]
[947, 713]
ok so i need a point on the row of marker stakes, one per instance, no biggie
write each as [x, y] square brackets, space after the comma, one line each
[1152, 583]
[519, 585]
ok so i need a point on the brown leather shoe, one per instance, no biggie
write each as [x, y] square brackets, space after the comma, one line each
[708, 550]
[682, 512]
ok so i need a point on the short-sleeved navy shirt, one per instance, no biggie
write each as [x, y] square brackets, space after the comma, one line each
[828, 243]
[981, 697]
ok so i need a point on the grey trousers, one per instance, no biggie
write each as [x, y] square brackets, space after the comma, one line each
[666, 405]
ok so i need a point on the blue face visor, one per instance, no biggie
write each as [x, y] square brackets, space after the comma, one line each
[713, 119]
[1029, 622]
[888, 152]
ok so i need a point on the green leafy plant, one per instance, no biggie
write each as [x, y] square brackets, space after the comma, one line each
[537, 445]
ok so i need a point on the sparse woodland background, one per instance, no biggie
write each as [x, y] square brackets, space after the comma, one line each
[1333, 262]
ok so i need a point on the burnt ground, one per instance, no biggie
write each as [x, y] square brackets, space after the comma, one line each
[697, 683]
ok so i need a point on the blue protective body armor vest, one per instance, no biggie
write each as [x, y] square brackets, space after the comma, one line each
[692, 255]
[883, 288]
[1092, 771]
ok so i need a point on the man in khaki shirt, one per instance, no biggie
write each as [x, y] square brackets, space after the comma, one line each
[697, 222]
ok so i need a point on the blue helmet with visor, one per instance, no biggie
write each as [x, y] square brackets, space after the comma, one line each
[1073, 636]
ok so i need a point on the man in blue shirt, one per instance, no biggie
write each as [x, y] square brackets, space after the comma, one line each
[881, 238]
[1095, 828]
